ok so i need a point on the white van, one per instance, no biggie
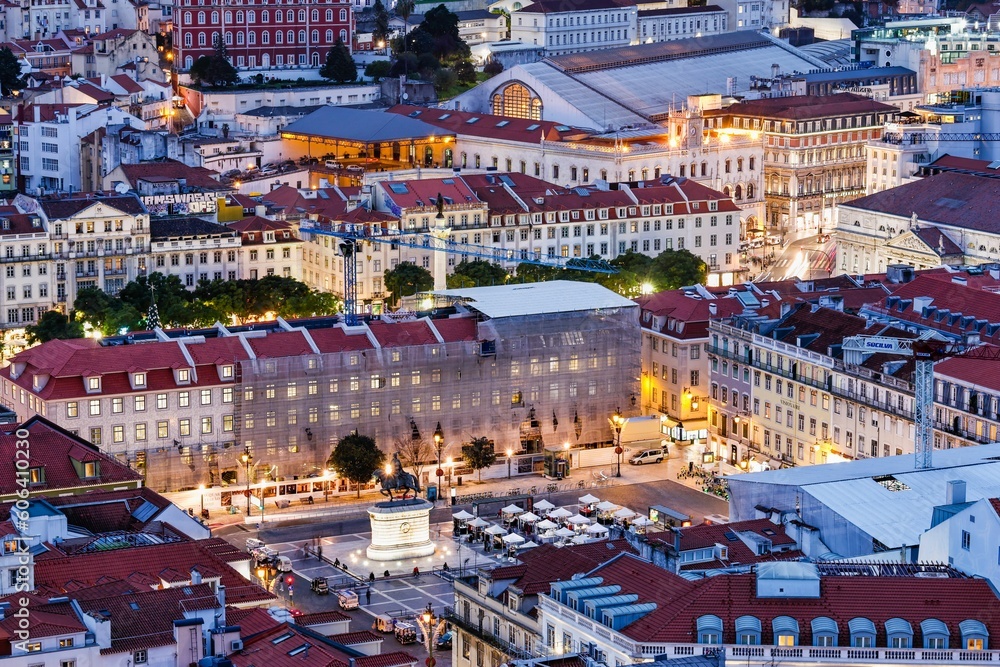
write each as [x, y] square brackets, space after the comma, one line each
[333, 164]
[647, 456]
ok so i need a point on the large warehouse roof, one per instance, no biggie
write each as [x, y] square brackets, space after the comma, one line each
[554, 296]
[333, 122]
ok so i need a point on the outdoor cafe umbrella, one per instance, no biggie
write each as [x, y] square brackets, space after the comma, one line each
[496, 530]
[607, 506]
[543, 505]
[565, 532]
[463, 516]
[578, 519]
[589, 500]
[560, 513]
[597, 529]
[529, 517]
[513, 538]
[512, 509]
[545, 524]
[624, 513]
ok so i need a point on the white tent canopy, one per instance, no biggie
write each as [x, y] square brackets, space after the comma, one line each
[565, 532]
[496, 530]
[643, 521]
[560, 513]
[478, 523]
[543, 505]
[513, 538]
[529, 517]
[528, 545]
[512, 509]
[597, 529]
[545, 524]
[589, 500]
[624, 513]
[578, 519]
[580, 539]
[607, 506]
[463, 516]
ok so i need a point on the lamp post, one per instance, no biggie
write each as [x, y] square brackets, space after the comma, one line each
[432, 627]
[201, 487]
[510, 453]
[247, 458]
[439, 443]
[617, 421]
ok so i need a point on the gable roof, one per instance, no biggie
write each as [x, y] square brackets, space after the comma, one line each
[542, 565]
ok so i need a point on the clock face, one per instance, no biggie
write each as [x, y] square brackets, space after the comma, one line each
[404, 528]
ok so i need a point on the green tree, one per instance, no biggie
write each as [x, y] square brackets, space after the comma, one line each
[465, 71]
[406, 280]
[404, 8]
[94, 305]
[534, 273]
[378, 70]
[172, 298]
[339, 64]
[10, 72]
[479, 454]
[52, 325]
[441, 24]
[381, 30]
[356, 458]
[673, 269]
[492, 67]
[444, 79]
[215, 70]
[480, 272]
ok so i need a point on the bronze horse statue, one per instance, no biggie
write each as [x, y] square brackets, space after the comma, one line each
[398, 480]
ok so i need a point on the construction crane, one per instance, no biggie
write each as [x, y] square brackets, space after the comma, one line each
[352, 236]
[926, 350]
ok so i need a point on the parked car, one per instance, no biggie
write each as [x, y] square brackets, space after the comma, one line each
[384, 623]
[333, 164]
[347, 599]
[355, 167]
[775, 239]
[647, 456]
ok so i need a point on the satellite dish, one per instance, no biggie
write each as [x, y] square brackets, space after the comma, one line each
[406, 96]
[121, 188]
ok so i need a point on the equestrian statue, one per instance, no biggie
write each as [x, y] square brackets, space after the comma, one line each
[398, 480]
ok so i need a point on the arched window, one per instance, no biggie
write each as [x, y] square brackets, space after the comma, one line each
[188, 39]
[201, 18]
[315, 15]
[315, 36]
[265, 17]
[975, 637]
[302, 36]
[725, 191]
[290, 37]
[709, 629]
[704, 168]
[251, 37]
[517, 101]
[279, 37]
[265, 37]
[898, 633]
[329, 15]
[343, 36]
[739, 193]
[315, 59]
[329, 37]
[604, 174]
[683, 169]
[645, 173]
[251, 16]
[824, 629]
[229, 39]
[694, 170]
[729, 164]
[239, 17]
[343, 14]
[786, 631]
[739, 164]
[302, 16]
[750, 191]
[229, 17]
[936, 634]
[215, 18]
[631, 175]
[216, 38]
[201, 39]
[187, 18]
[862, 632]
[239, 38]
[188, 61]
[748, 630]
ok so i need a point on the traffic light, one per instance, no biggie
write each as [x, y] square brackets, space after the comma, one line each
[289, 580]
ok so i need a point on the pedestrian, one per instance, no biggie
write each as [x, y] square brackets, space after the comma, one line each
[371, 577]
[386, 575]
[368, 596]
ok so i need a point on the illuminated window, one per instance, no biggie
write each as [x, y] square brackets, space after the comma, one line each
[517, 101]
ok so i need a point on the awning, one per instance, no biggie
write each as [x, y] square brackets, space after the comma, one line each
[898, 626]
[512, 509]
[861, 626]
[709, 622]
[578, 519]
[545, 524]
[543, 505]
[589, 500]
[560, 513]
[607, 506]
[624, 513]
[463, 516]
[478, 523]
[784, 624]
[529, 517]
[496, 530]
[513, 538]
[596, 529]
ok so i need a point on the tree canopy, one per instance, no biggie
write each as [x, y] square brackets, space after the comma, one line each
[378, 70]
[477, 273]
[406, 280]
[52, 325]
[10, 72]
[381, 15]
[356, 458]
[215, 70]
[339, 64]
[479, 454]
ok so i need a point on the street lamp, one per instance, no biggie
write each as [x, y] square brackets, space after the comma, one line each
[617, 421]
[510, 453]
[247, 458]
[201, 487]
[432, 627]
[439, 443]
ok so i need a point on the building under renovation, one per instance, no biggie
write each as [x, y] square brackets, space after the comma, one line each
[531, 367]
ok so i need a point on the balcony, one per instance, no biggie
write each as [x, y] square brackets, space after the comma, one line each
[471, 627]
[825, 654]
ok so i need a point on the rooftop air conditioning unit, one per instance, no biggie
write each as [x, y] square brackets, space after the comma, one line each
[235, 645]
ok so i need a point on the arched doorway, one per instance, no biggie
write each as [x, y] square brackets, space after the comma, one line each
[448, 157]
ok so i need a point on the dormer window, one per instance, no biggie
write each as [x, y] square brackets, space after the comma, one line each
[94, 383]
[36, 475]
[268, 237]
[139, 379]
[91, 469]
[227, 372]
[250, 236]
[183, 375]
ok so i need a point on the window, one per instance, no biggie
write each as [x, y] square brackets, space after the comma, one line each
[161, 401]
[139, 657]
[966, 540]
[184, 426]
[72, 409]
[183, 399]
[95, 407]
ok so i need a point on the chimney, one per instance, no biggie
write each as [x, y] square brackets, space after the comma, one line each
[713, 309]
[260, 210]
[195, 576]
[220, 593]
[954, 492]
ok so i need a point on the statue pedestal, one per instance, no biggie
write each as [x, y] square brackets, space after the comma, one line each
[400, 530]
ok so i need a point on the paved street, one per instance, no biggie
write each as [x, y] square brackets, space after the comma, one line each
[804, 259]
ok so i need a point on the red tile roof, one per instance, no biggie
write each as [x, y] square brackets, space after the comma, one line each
[948, 299]
[684, 313]
[801, 107]
[680, 603]
[251, 621]
[402, 334]
[252, 230]
[359, 637]
[286, 646]
[493, 127]
[55, 450]
[973, 371]
[455, 329]
[43, 623]
[542, 565]
[194, 177]
[424, 193]
[394, 659]
[320, 617]
[280, 344]
[335, 339]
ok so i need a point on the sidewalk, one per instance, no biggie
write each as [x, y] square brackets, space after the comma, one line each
[349, 506]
